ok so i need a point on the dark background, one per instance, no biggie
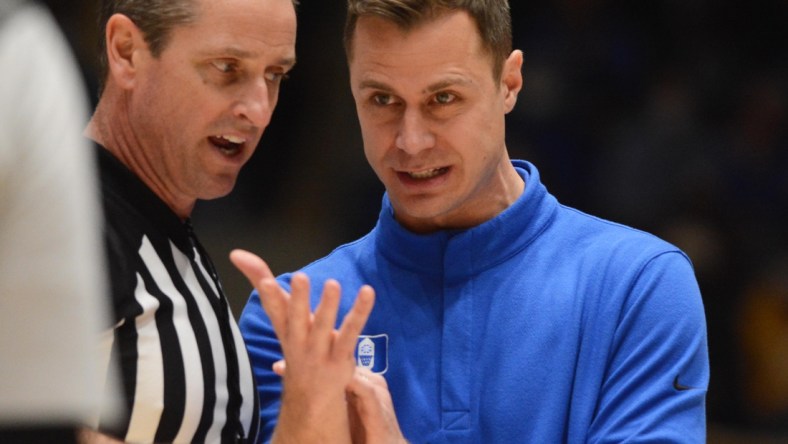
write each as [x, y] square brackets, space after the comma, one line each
[669, 116]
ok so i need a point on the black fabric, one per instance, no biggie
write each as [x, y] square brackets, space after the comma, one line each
[136, 218]
[38, 434]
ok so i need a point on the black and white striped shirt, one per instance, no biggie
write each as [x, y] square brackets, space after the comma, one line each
[184, 367]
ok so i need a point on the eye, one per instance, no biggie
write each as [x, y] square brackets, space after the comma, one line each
[276, 77]
[383, 99]
[225, 66]
[444, 98]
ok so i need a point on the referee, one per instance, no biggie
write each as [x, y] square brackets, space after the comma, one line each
[188, 88]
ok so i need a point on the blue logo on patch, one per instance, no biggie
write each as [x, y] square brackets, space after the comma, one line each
[372, 353]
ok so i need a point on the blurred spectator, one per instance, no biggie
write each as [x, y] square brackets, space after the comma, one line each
[763, 337]
[52, 303]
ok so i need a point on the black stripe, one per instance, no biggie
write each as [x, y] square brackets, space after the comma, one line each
[204, 347]
[174, 399]
[254, 428]
[133, 212]
[233, 428]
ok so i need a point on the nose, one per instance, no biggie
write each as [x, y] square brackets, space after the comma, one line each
[256, 104]
[414, 134]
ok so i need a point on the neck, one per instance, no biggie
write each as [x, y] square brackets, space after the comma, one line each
[495, 194]
[111, 127]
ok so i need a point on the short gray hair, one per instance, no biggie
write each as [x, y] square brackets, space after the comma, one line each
[155, 18]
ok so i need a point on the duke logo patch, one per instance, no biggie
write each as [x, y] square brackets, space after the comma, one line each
[372, 352]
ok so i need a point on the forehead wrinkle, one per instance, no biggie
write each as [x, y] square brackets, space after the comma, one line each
[374, 84]
[437, 86]
[231, 51]
[452, 81]
[239, 53]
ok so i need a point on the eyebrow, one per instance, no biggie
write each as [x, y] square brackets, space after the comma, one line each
[244, 54]
[372, 84]
[443, 84]
[288, 62]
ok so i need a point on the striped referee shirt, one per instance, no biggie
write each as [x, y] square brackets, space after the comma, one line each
[185, 372]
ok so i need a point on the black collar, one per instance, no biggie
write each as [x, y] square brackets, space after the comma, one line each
[122, 184]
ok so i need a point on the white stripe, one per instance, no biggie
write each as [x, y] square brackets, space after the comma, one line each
[245, 377]
[149, 391]
[190, 354]
[109, 371]
[217, 347]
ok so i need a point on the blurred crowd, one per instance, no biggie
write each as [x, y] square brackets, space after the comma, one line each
[670, 116]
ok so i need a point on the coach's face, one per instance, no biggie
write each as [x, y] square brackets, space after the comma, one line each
[432, 119]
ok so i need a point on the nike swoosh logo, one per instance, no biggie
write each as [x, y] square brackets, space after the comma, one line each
[680, 387]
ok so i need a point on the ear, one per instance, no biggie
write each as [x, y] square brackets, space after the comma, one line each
[512, 79]
[125, 46]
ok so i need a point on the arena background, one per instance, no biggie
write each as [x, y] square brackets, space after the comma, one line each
[667, 115]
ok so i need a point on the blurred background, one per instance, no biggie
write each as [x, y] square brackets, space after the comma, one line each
[668, 115]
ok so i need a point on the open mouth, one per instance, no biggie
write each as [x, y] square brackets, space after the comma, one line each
[427, 174]
[228, 145]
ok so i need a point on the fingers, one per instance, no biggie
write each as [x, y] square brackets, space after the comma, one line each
[299, 313]
[326, 316]
[291, 315]
[279, 367]
[370, 400]
[364, 383]
[317, 332]
[272, 297]
[360, 396]
[357, 433]
[251, 266]
[355, 319]
[275, 302]
[90, 436]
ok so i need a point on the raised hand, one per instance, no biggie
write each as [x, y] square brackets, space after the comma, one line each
[320, 361]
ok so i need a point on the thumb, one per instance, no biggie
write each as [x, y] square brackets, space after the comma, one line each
[279, 367]
[252, 266]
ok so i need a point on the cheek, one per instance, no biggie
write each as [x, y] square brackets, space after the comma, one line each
[372, 150]
[375, 136]
[484, 129]
[161, 105]
[180, 93]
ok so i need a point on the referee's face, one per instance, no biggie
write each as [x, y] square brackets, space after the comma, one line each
[432, 119]
[199, 109]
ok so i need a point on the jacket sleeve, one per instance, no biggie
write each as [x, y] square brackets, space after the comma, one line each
[657, 375]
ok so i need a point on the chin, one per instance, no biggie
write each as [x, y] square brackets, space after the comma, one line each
[421, 211]
[217, 190]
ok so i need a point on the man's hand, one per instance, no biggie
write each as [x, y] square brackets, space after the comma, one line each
[320, 359]
[370, 408]
[90, 436]
[371, 411]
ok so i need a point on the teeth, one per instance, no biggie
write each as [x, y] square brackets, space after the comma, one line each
[233, 139]
[426, 174]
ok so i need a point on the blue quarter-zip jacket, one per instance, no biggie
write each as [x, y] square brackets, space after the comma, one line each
[542, 325]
